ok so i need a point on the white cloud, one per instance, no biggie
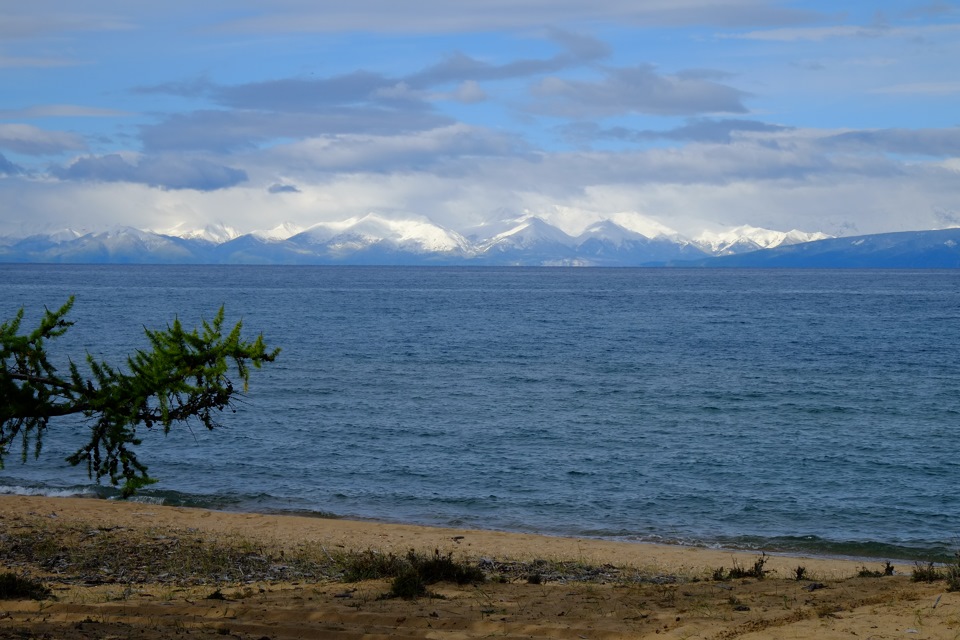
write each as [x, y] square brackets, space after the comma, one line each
[30, 140]
[459, 177]
[439, 149]
[499, 111]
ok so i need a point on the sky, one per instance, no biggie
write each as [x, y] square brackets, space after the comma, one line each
[696, 115]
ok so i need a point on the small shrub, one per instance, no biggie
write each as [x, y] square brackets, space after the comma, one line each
[757, 571]
[953, 576]
[887, 570]
[410, 574]
[370, 565]
[409, 585]
[440, 568]
[14, 587]
[927, 573]
[800, 573]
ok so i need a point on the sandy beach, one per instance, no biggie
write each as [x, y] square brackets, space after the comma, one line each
[535, 587]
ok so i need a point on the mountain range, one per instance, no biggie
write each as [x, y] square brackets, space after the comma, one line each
[375, 239]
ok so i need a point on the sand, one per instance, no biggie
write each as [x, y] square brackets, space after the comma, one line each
[637, 591]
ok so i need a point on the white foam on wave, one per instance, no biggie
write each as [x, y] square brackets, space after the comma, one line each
[48, 492]
[154, 500]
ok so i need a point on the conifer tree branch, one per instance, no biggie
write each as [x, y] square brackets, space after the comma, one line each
[184, 376]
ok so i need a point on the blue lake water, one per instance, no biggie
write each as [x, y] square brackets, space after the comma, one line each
[815, 411]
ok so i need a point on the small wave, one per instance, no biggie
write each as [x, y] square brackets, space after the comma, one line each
[154, 500]
[49, 492]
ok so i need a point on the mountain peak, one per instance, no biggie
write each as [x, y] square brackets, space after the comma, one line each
[216, 232]
[282, 231]
[623, 239]
[748, 238]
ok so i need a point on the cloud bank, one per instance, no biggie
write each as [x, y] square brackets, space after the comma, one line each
[701, 114]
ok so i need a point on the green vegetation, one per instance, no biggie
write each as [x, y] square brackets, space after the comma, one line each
[756, 571]
[870, 573]
[81, 552]
[930, 572]
[183, 376]
[927, 573]
[411, 574]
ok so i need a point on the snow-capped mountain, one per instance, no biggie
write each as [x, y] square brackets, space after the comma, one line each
[413, 235]
[118, 245]
[901, 250]
[607, 242]
[282, 231]
[529, 240]
[746, 238]
[216, 233]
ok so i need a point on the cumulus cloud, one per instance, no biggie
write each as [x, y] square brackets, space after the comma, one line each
[445, 149]
[233, 130]
[637, 89]
[924, 142]
[360, 102]
[165, 172]
[801, 182]
[33, 141]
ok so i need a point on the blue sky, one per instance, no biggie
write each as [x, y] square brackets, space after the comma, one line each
[842, 117]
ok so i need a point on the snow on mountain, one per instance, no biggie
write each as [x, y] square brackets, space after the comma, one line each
[416, 235]
[607, 242]
[118, 245]
[283, 231]
[644, 225]
[609, 232]
[938, 249]
[217, 232]
[528, 241]
[63, 235]
[623, 239]
[37, 244]
[524, 233]
[747, 238]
